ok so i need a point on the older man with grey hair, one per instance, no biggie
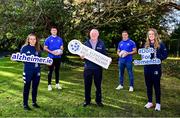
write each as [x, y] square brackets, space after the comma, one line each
[92, 70]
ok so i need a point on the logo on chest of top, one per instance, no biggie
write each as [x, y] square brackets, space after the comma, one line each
[36, 53]
[53, 41]
[128, 44]
[99, 47]
[28, 52]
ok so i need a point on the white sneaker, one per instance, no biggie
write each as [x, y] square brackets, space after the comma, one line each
[49, 88]
[131, 89]
[148, 105]
[119, 87]
[158, 107]
[58, 86]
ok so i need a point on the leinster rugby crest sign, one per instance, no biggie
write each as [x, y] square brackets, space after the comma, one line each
[76, 47]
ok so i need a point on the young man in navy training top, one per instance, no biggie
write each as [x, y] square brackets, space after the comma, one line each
[51, 45]
[92, 70]
[126, 49]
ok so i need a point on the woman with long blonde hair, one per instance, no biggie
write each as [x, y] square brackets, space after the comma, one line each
[31, 72]
[153, 73]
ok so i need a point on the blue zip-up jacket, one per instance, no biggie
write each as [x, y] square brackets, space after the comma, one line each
[100, 47]
[30, 50]
[161, 54]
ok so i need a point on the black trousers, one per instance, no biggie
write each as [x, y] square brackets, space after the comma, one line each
[29, 77]
[152, 78]
[89, 75]
[56, 65]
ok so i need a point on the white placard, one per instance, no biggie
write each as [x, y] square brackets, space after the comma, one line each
[76, 47]
[146, 57]
[31, 58]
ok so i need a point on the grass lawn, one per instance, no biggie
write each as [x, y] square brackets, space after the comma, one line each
[68, 102]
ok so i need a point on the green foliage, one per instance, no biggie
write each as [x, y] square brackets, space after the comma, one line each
[174, 43]
[176, 33]
[172, 68]
[74, 19]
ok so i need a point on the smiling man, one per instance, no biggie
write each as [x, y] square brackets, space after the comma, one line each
[92, 70]
[54, 46]
[126, 49]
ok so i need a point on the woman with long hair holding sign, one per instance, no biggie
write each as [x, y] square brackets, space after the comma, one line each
[153, 72]
[31, 72]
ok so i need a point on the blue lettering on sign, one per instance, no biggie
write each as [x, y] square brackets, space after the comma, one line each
[33, 59]
[145, 50]
[146, 57]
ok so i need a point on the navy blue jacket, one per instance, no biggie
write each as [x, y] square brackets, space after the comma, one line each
[100, 47]
[30, 50]
[161, 54]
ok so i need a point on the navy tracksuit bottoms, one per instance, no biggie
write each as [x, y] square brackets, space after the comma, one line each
[56, 64]
[34, 77]
[152, 78]
[89, 75]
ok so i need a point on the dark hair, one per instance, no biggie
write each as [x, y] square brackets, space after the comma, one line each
[54, 27]
[124, 31]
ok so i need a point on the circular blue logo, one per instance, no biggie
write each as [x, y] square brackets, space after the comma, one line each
[74, 46]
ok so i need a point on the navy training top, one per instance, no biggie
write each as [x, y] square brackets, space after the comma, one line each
[30, 50]
[161, 53]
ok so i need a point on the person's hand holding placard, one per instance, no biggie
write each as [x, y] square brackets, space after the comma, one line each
[76, 47]
[146, 57]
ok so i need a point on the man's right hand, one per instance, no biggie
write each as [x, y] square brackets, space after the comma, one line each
[82, 56]
[49, 51]
[53, 52]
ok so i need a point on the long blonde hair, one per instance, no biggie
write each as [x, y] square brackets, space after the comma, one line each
[156, 39]
[37, 46]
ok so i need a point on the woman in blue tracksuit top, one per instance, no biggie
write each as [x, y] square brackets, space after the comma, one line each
[153, 73]
[31, 71]
[92, 70]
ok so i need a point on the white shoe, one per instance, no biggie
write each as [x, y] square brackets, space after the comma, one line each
[148, 105]
[49, 88]
[119, 87]
[158, 107]
[131, 89]
[58, 86]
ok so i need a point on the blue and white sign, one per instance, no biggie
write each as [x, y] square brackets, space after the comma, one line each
[146, 57]
[76, 47]
[33, 59]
